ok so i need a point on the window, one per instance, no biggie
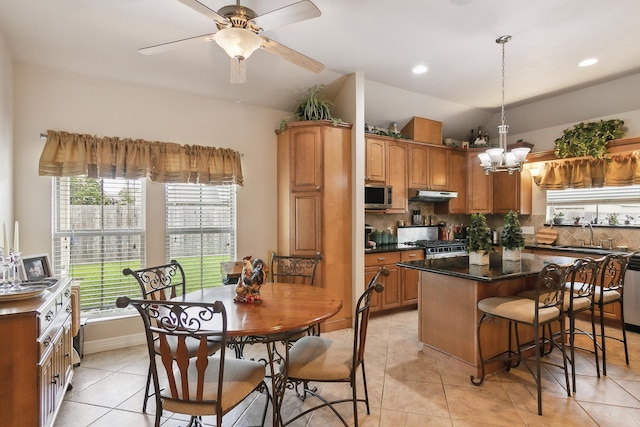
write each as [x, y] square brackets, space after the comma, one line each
[617, 206]
[98, 229]
[201, 230]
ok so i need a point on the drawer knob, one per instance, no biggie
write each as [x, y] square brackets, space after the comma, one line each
[49, 316]
[67, 293]
[47, 341]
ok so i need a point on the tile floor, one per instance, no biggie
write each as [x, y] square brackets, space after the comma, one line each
[408, 386]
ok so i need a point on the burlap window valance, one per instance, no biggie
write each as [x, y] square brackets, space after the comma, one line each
[71, 154]
[615, 171]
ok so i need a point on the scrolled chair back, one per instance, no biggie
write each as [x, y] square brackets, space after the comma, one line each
[161, 282]
[550, 287]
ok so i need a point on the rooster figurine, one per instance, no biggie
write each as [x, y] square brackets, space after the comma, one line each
[251, 279]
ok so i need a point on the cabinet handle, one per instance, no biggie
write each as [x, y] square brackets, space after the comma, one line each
[412, 255]
[67, 293]
[317, 187]
[55, 379]
[68, 309]
[49, 316]
[47, 341]
[381, 259]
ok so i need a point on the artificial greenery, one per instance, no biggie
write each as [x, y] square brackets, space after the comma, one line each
[612, 218]
[512, 237]
[313, 106]
[588, 139]
[479, 234]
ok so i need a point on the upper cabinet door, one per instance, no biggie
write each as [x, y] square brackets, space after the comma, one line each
[512, 192]
[439, 168]
[418, 159]
[396, 154]
[306, 159]
[479, 186]
[428, 167]
[375, 168]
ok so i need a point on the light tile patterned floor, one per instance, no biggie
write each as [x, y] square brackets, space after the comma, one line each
[408, 386]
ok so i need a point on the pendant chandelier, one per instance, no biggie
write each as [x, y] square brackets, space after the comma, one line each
[498, 159]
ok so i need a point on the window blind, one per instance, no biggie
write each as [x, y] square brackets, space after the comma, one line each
[201, 230]
[98, 230]
[602, 195]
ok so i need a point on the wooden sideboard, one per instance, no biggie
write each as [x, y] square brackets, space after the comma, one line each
[36, 362]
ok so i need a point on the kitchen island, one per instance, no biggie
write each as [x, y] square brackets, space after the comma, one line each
[448, 295]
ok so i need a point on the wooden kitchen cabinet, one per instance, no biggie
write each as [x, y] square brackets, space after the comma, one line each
[375, 167]
[458, 183]
[396, 167]
[512, 192]
[429, 166]
[479, 186]
[401, 286]
[410, 278]
[389, 298]
[314, 204]
[36, 366]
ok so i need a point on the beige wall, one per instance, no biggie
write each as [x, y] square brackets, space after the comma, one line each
[6, 135]
[48, 99]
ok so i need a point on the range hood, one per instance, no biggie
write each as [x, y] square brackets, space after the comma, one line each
[417, 195]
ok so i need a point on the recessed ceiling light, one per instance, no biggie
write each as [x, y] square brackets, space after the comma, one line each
[420, 69]
[588, 62]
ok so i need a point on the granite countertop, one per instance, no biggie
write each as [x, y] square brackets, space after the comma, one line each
[390, 248]
[530, 264]
[576, 249]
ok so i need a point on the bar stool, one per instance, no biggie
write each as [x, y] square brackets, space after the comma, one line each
[609, 290]
[549, 290]
[578, 298]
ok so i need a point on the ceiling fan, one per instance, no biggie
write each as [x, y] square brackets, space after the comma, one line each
[238, 33]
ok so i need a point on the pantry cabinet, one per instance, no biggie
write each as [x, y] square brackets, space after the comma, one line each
[314, 204]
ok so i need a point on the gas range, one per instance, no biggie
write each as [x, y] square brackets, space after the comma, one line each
[440, 248]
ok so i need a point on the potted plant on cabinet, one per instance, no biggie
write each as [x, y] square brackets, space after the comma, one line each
[558, 217]
[479, 240]
[512, 240]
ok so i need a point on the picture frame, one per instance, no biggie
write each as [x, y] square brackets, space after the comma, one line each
[35, 267]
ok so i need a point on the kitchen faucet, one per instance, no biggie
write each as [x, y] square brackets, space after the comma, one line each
[591, 243]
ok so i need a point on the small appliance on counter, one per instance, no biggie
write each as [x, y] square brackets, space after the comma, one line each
[367, 235]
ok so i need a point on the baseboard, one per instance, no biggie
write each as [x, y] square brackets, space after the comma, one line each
[114, 343]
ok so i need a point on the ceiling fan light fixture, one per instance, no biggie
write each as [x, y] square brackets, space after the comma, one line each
[239, 43]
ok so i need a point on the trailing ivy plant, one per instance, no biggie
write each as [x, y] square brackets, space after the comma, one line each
[588, 139]
[479, 235]
[512, 237]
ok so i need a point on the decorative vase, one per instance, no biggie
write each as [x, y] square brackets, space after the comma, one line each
[511, 254]
[479, 258]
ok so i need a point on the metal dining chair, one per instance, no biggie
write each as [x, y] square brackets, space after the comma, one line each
[544, 308]
[318, 359]
[194, 384]
[164, 282]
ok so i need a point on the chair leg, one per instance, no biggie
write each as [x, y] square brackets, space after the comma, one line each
[595, 340]
[536, 341]
[479, 381]
[603, 341]
[366, 392]
[146, 392]
[624, 332]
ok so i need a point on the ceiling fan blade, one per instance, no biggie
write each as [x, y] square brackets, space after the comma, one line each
[237, 70]
[291, 55]
[205, 10]
[293, 13]
[163, 47]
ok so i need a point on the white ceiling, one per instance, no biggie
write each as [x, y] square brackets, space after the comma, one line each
[382, 39]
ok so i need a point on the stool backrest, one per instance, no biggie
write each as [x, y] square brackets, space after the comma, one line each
[294, 268]
[161, 282]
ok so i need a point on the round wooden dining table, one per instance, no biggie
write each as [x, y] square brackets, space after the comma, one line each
[284, 309]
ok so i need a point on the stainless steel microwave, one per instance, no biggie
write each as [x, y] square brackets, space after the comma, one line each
[377, 196]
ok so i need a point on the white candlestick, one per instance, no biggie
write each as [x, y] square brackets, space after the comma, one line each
[6, 240]
[16, 239]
